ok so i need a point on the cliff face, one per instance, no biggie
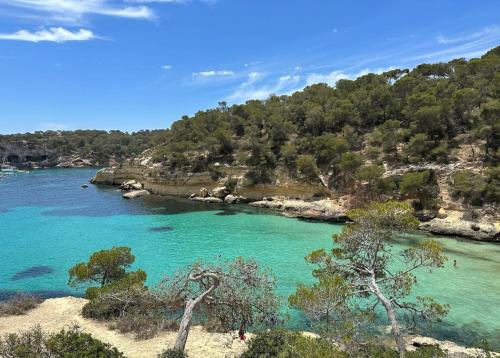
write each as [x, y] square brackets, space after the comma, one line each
[158, 180]
[299, 199]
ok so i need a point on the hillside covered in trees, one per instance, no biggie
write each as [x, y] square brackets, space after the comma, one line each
[356, 135]
[96, 145]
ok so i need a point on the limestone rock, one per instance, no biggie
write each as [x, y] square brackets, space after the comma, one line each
[464, 228]
[136, 186]
[104, 176]
[208, 199]
[220, 192]
[128, 185]
[135, 194]
[203, 193]
[231, 199]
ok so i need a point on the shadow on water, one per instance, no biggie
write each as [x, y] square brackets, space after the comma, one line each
[31, 272]
[7, 294]
[161, 229]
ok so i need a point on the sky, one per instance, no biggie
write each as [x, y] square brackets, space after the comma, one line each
[142, 64]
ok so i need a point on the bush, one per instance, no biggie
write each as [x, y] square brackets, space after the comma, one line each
[135, 310]
[144, 326]
[69, 343]
[173, 353]
[19, 305]
[284, 344]
[468, 185]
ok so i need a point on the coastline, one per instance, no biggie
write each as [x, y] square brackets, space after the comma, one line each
[57, 313]
[288, 200]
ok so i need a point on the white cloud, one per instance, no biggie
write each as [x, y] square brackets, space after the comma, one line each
[214, 73]
[166, 67]
[54, 34]
[475, 35]
[251, 90]
[328, 78]
[51, 126]
[74, 10]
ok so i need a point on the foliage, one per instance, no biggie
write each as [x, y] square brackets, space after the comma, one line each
[306, 166]
[19, 304]
[359, 265]
[173, 353]
[107, 269]
[244, 298]
[285, 344]
[420, 185]
[96, 144]
[68, 343]
[469, 185]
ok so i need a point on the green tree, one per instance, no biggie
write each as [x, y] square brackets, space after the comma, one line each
[348, 164]
[364, 257]
[422, 186]
[107, 269]
[306, 166]
[370, 174]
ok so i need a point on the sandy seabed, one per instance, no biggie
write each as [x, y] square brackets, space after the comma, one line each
[57, 313]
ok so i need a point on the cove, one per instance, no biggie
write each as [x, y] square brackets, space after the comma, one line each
[46, 219]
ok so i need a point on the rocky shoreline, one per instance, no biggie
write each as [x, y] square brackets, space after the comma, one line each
[133, 182]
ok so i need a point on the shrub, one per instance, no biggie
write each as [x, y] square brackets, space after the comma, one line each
[173, 353]
[284, 344]
[306, 166]
[135, 310]
[468, 185]
[144, 326]
[69, 343]
[19, 305]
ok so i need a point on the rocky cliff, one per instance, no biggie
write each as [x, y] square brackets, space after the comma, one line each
[298, 199]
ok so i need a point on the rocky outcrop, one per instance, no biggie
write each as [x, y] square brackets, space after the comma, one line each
[451, 349]
[208, 199]
[104, 176]
[464, 228]
[135, 194]
[327, 210]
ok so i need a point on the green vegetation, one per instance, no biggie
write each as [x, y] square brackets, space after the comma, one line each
[398, 117]
[476, 188]
[106, 268]
[284, 344]
[359, 268]
[91, 144]
[68, 343]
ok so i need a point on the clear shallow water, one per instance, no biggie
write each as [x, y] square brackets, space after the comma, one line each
[48, 223]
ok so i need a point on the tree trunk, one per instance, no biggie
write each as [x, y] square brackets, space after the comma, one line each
[391, 314]
[183, 332]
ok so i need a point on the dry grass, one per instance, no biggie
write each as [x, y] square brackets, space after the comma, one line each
[19, 304]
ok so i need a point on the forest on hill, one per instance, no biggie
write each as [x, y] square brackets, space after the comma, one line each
[356, 130]
[92, 144]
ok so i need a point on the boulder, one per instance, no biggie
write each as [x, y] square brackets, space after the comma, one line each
[193, 195]
[135, 194]
[128, 185]
[84, 186]
[136, 186]
[203, 193]
[231, 199]
[220, 192]
[104, 176]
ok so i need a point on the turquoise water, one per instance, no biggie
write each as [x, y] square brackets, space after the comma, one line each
[48, 223]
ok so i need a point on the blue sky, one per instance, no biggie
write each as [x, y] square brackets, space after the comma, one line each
[134, 64]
